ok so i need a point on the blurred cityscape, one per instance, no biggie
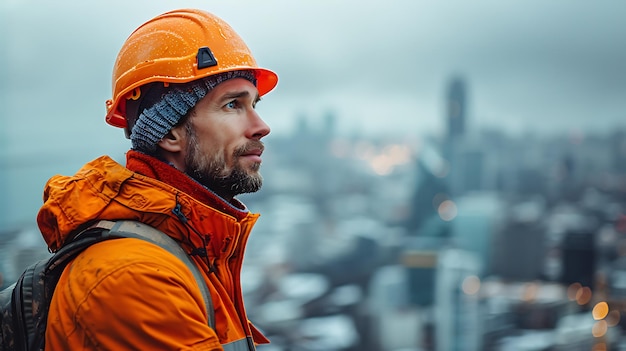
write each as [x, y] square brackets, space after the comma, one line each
[473, 240]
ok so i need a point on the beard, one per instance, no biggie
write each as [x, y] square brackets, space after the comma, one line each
[213, 172]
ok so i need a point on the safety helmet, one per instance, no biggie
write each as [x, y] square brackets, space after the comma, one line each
[178, 47]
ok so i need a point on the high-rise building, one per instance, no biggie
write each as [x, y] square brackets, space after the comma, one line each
[457, 317]
[456, 108]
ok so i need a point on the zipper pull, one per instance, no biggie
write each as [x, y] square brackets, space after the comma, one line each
[178, 212]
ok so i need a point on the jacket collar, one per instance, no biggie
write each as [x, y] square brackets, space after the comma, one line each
[154, 168]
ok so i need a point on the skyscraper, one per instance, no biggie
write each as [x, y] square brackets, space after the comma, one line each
[456, 109]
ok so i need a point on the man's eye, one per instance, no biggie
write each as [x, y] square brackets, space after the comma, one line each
[232, 104]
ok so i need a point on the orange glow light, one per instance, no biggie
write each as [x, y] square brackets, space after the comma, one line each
[583, 295]
[613, 318]
[599, 329]
[447, 210]
[572, 291]
[600, 310]
[471, 285]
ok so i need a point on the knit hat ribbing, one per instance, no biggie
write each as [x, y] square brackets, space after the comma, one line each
[157, 120]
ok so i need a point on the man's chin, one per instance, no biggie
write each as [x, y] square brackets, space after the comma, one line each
[245, 182]
[255, 183]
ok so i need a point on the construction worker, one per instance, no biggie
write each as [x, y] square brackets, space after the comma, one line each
[185, 87]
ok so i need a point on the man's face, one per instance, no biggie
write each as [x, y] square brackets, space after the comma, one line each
[223, 149]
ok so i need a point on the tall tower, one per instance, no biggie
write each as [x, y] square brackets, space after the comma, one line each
[464, 157]
[456, 109]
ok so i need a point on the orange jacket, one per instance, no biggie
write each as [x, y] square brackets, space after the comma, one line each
[128, 294]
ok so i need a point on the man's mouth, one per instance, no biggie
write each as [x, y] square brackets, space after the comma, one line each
[253, 153]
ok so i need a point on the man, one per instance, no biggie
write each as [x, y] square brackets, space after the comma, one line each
[185, 87]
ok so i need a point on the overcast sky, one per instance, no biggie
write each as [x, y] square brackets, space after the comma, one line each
[380, 66]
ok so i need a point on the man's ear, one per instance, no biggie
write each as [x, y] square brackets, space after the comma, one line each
[174, 140]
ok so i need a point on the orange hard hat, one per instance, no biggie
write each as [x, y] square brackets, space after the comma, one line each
[178, 47]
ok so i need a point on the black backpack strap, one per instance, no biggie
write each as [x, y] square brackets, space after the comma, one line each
[32, 293]
[24, 332]
[138, 230]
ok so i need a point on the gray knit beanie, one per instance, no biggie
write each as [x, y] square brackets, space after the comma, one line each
[157, 120]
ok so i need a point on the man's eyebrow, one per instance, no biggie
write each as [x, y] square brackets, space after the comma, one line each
[237, 95]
